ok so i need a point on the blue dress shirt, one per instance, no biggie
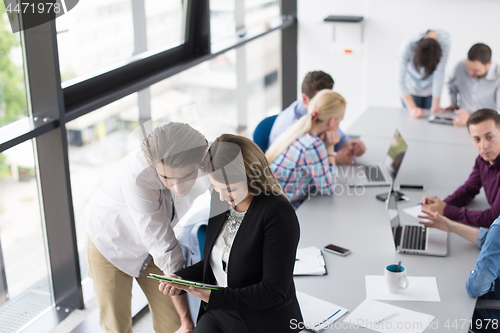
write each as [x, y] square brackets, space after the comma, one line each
[483, 280]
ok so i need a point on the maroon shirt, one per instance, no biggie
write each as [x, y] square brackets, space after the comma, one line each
[484, 175]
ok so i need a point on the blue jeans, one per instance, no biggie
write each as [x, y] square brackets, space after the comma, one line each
[421, 102]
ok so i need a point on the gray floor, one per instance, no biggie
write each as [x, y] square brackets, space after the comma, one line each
[140, 325]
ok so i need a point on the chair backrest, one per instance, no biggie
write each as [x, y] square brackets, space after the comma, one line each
[202, 233]
[262, 131]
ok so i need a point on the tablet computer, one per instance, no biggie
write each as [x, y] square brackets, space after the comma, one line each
[183, 282]
[441, 120]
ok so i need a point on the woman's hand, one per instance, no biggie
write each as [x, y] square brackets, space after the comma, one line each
[201, 293]
[174, 289]
[170, 289]
[330, 138]
[416, 112]
[436, 220]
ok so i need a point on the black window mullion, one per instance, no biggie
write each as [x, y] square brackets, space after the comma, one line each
[46, 98]
[289, 54]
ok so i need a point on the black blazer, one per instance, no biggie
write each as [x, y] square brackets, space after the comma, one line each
[260, 269]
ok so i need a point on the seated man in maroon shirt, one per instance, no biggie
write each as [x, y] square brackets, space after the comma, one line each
[484, 130]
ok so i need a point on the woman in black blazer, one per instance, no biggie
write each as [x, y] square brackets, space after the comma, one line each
[250, 246]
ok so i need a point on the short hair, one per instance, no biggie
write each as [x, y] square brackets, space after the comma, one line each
[480, 52]
[483, 115]
[176, 145]
[316, 81]
[426, 54]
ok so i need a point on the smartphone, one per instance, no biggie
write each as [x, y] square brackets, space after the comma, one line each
[337, 250]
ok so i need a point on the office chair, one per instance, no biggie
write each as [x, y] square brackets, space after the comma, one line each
[202, 234]
[262, 131]
[197, 237]
[493, 304]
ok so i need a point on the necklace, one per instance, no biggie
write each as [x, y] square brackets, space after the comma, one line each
[234, 219]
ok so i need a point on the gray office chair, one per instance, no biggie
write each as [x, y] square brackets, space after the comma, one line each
[488, 304]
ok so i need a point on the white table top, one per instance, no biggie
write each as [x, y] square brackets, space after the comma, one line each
[383, 122]
[359, 223]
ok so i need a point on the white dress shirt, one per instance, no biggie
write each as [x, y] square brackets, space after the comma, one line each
[473, 94]
[130, 220]
[216, 258]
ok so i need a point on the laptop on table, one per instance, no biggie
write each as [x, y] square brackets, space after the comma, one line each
[377, 175]
[415, 239]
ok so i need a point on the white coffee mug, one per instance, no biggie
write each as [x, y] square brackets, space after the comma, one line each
[396, 280]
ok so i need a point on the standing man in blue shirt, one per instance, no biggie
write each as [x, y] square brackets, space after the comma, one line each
[484, 279]
[346, 149]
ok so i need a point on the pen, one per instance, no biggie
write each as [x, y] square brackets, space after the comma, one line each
[425, 201]
[386, 317]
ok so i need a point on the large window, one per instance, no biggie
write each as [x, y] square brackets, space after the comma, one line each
[100, 34]
[22, 240]
[226, 16]
[222, 20]
[98, 140]
[13, 104]
[260, 12]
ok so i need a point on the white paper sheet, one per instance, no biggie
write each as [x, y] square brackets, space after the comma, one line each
[415, 211]
[318, 314]
[421, 288]
[369, 312]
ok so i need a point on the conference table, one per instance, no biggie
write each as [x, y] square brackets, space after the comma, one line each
[381, 122]
[353, 218]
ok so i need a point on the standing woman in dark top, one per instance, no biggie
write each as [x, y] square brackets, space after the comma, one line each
[250, 246]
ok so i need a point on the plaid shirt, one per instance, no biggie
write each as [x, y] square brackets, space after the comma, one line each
[303, 170]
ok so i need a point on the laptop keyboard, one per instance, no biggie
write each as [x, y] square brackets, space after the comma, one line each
[374, 173]
[414, 237]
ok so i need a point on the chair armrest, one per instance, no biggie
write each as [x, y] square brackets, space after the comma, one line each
[488, 304]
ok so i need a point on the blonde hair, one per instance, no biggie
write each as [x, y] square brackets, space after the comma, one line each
[326, 104]
[255, 170]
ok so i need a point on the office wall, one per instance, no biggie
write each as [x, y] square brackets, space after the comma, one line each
[366, 77]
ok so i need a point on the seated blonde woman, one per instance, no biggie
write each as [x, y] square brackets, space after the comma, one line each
[303, 157]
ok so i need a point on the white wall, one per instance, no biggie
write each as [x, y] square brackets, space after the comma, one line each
[367, 76]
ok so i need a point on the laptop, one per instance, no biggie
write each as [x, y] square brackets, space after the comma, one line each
[377, 175]
[415, 239]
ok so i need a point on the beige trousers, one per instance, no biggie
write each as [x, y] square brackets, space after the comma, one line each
[113, 289]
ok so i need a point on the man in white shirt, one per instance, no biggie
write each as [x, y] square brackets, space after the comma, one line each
[474, 84]
[130, 224]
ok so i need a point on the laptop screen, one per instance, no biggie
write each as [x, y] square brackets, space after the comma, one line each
[393, 214]
[394, 157]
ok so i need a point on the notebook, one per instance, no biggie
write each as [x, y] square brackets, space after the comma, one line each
[309, 261]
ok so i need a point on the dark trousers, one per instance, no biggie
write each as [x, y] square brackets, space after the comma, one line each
[421, 102]
[220, 321]
[492, 316]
